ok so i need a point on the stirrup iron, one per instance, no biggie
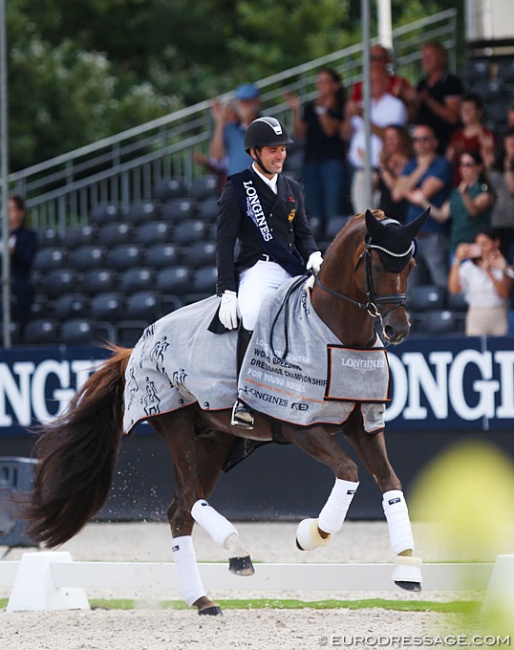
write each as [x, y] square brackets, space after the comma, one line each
[241, 416]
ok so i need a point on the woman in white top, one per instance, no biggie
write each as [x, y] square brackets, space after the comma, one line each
[480, 271]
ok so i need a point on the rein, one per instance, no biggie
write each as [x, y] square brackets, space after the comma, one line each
[374, 300]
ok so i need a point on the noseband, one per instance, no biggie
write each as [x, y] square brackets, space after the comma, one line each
[373, 300]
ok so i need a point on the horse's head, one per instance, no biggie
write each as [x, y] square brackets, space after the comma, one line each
[387, 258]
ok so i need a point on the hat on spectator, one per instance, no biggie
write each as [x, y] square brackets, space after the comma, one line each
[247, 91]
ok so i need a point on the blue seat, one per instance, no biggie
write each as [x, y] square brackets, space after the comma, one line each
[169, 188]
[76, 236]
[174, 280]
[438, 321]
[49, 258]
[203, 187]
[187, 232]
[99, 280]
[161, 255]
[153, 232]
[71, 305]
[204, 279]
[178, 209]
[142, 211]
[41, 331]
[114, 233]
[87, 257]
[107, 306]
[426, 297]
[104, 212]
[124, 256]
[208, 208]
[141, 306]
[78, 331]
[58, 281]
[201, 253]
[136, 279]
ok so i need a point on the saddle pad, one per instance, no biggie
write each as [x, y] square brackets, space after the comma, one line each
[295, 368]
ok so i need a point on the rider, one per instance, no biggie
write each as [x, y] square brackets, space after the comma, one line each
[264, 211]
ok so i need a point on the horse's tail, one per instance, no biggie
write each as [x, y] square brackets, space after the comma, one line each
[77, 454]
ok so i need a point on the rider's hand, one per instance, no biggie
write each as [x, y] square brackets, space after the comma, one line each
[314, 262]
[229, 310]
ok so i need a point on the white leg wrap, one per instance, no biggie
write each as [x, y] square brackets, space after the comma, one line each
[216, 525]
[331, 518]
[398, 522]
[189, 581]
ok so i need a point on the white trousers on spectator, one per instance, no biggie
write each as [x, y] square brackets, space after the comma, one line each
[359, 202]
[255, 284]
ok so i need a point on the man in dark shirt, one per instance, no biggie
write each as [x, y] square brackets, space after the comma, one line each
[438, 95]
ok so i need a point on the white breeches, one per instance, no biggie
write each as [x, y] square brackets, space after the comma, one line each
[255, 284]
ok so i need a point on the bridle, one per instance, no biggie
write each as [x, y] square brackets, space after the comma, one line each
[372, 306]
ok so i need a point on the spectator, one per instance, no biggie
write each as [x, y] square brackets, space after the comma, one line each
[432, 174]
[438, 95]
[228, 137]
[470, 204]
[324, 173]
[382, 59]
[508, 158]
[473, 136]
[479, 270]
[510, 117]
[502, 216]
[22, 248]
[385, 110]
[396, 152]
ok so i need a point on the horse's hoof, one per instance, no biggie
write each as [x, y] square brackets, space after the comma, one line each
[241, 566]
[407, 585]
[213, 610]
[308, 536]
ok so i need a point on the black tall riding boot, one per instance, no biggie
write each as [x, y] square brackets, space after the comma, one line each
[242, 416]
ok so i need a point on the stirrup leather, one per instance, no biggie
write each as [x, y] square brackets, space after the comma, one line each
[241, 416]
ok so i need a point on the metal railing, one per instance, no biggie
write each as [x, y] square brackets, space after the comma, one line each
[126, 167]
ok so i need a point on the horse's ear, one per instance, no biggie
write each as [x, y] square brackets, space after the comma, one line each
[412, 229]
[374, 227]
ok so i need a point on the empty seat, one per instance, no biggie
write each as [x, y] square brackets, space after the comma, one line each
[201, 253]
[71, 305]
[136, 279]
[142, 211]
[474, 70]
[187, 232]
[203, 187]
[438, 321]
[204, 279]
[334, 225]
[174, 280]
[104, 212]
[124, 256]
[99, 280]
[168, 188]
[208, 208]
[153, 232]
[116, 232]
[506, 71]
[41, 331]
[107, 306]
[178, 209]
[489, 89]
[77, 331]
[161, 255]
[58, 281]
[87, 257]
[141, 306]
[425, 297]
[46, 259]
[76, 236]
[49, 237]
[457, 302]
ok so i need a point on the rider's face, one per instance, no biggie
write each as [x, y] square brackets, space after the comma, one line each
[273, 158]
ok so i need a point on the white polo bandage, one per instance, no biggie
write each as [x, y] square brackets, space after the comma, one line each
[190, 583]
[216, 525]
[332, 517]
[398, 522]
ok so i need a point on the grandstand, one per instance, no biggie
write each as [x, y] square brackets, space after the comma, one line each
[127, 225]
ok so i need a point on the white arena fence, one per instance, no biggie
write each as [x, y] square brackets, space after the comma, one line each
[52, 580]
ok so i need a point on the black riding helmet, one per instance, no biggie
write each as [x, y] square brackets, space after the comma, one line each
[266, 132]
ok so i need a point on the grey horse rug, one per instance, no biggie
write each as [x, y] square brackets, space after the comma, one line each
[295, 369]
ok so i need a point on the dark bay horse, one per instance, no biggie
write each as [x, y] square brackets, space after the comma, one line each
[359, 293]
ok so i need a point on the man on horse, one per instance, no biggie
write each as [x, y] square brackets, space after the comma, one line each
[264, 211]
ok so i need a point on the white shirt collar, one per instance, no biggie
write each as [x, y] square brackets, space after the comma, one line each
[270, 182]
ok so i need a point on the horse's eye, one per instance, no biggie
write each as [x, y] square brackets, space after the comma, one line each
[378, 268]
